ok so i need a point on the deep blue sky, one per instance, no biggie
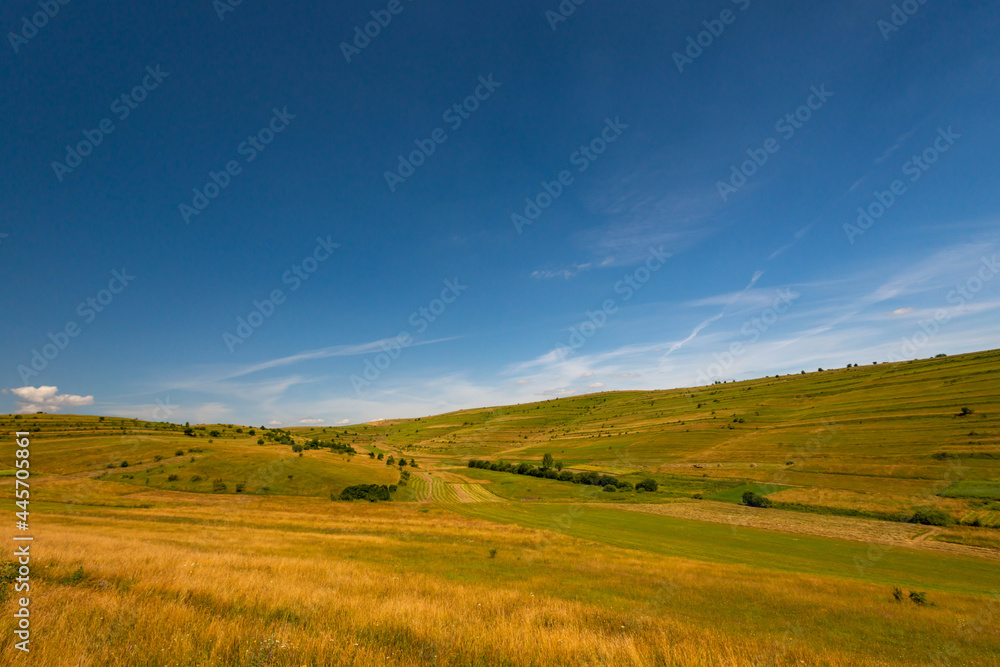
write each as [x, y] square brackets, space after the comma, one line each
[158, 349]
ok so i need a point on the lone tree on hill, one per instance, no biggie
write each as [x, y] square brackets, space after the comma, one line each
[547, 461]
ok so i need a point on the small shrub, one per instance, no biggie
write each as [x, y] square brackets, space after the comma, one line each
[493, 553]
[240, 486]
[918, 597]
[966, 412]
[610, 489]
[932, 517]
[218, 486]
[195, 478]
[751, 499]
[697, 496]
[124, 464]
[157, 458]
[897, 593]
[172, 478]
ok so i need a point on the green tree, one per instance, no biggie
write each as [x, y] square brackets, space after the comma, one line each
[546, 461]
[647, 485]
[559, 466]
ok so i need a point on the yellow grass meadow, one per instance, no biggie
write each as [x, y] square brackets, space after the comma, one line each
[279, 583]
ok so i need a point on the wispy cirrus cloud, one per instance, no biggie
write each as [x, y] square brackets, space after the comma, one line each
[701, 326]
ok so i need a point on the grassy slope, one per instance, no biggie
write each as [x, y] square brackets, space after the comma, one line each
[77, 447]
[870, 430]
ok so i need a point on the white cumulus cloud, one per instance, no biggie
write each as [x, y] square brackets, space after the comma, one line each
[312, 421]
[47, 399]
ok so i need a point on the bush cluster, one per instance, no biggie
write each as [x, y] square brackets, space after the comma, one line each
[917, 597]
[932, 517]
[370, 492]
[751, 499]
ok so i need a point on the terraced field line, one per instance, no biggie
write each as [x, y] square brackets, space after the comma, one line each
[438, 490]
[478, 494]
[462, 495]
[421, 486]
[442, 492]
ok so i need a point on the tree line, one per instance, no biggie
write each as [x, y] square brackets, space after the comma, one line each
[370, 492]
[553, 470]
